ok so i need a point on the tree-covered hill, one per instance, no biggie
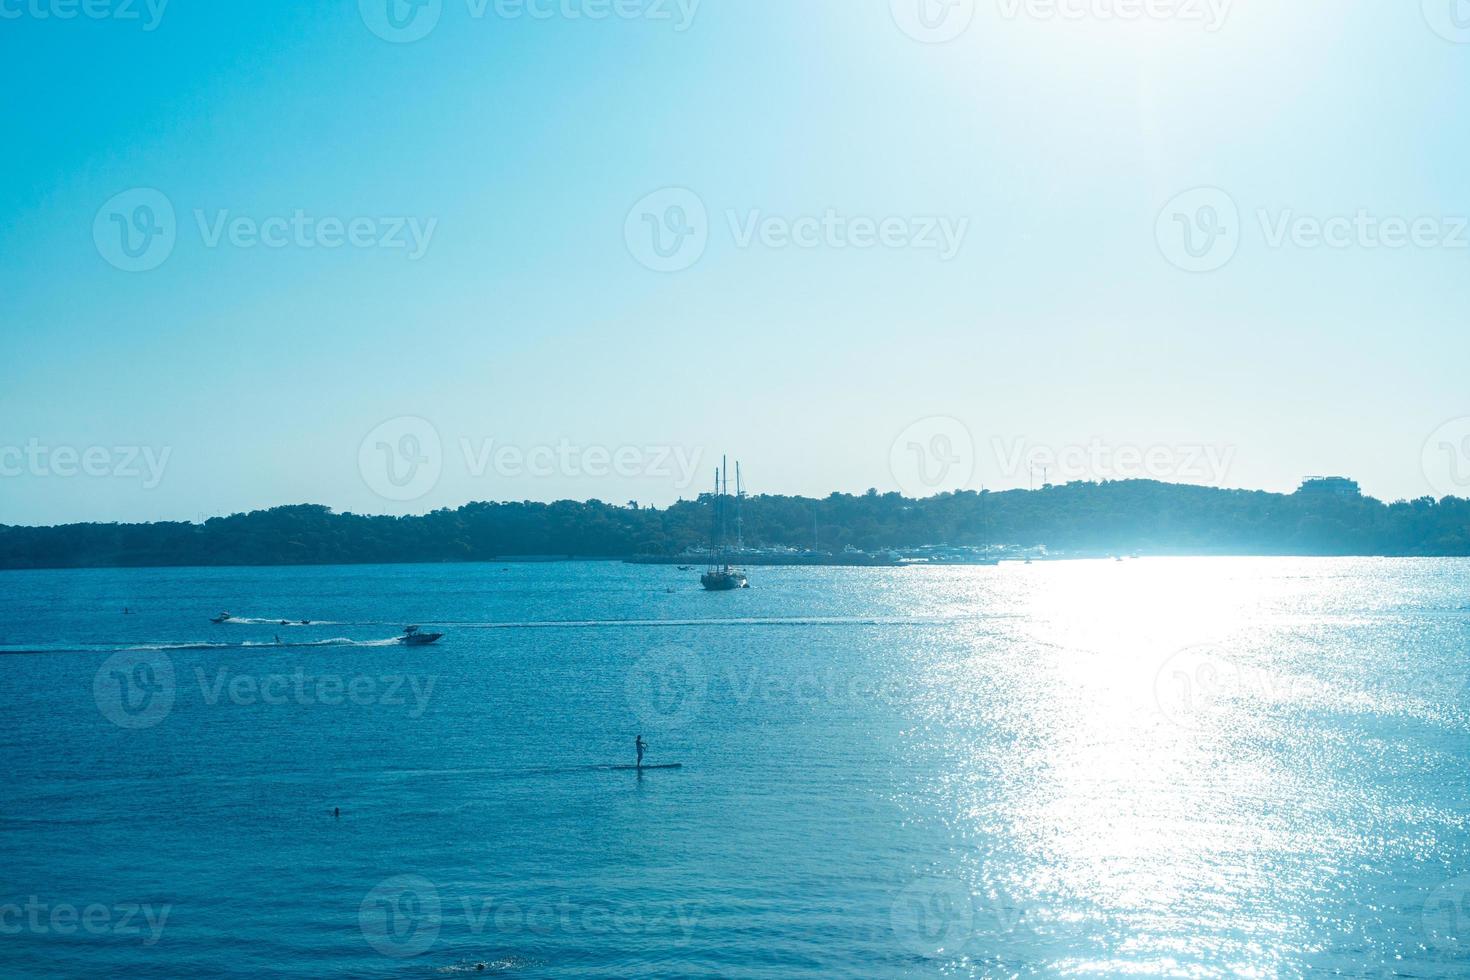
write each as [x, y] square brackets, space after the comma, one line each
[1129, 516]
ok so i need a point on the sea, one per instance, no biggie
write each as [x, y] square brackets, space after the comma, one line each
[1128, 768]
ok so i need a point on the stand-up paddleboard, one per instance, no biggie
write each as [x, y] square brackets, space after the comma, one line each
[676, 765]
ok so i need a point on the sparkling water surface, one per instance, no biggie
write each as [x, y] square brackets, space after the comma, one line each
[1154, 767]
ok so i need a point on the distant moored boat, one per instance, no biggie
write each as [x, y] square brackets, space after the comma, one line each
[723, 576]
[724, 579]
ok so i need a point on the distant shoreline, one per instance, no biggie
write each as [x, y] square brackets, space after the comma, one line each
[1005, 562]
[1077, 520]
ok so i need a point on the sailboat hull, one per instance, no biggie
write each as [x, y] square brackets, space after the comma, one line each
[722, 581]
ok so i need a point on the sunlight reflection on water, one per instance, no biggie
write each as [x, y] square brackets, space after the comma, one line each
[1174, 767]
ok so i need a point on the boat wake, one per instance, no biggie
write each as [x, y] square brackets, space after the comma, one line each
[538, 772]
[260, 621]
[504, 964]
[743, 621]
[340, 641]
[585, 624]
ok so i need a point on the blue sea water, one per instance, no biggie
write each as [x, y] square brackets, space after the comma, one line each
[1158, 767]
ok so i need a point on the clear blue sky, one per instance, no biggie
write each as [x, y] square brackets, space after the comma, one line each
[1062, 320]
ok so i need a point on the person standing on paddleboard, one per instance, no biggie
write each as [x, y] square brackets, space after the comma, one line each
[641, 746]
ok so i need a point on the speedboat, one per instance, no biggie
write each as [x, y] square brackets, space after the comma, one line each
[415, 637]
[223, 617]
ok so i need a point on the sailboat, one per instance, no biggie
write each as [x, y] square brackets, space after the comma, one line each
[722, 576]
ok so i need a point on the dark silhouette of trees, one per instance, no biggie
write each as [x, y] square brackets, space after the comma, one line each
[1130, 516]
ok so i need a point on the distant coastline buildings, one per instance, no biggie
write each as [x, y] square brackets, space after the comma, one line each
[1329, 486]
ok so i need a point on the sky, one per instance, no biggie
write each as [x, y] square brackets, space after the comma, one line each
[396, 255]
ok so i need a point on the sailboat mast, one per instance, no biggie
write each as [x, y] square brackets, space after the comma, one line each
[714, 523]
[739, 510]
